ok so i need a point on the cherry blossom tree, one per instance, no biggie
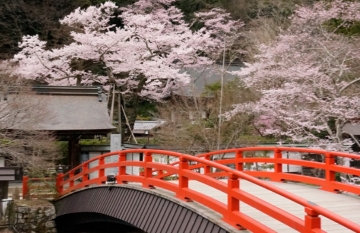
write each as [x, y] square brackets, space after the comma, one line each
[143, 50]
[308, 77]
[143, 55]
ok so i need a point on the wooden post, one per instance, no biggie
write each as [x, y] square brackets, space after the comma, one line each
[25, 187]
[277, 166]
[122, 169]
[101, 170]
[233, 183]
[183, 180]
[312, 220]
[238, 157]
[71, 176]
[59, 187]
[233, 203]
[207, 169]
[329, 174]
[147, 170]
[85, 175]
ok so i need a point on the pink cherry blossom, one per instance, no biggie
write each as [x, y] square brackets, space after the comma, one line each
[306, 76]
[147, 53]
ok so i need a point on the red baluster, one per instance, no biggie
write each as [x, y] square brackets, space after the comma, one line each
[85, 176]
[59, 186]
[239, 163]
[71, 176]
[207, 169]
[312, 220]
[25, 188]
[277, 166]
[183, 180]
[101, 170]
[147, 170]
[122, 169]
[233, 203]
[329, 174]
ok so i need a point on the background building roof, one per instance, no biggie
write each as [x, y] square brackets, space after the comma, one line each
[201, 77]
[142, 126]
[71, 108]
[351, 128]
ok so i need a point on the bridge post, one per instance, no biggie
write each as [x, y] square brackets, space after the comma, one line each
[238, 164]
[59, 187]
[147, 170]
[122, 169]
[85, 175]
[233, 183]
[25, 187]
[277, 166]
[232, 202]
[71, 176]
[312, 220]
[207, 169]
[329, 174]
[101, 170]
[183, 180]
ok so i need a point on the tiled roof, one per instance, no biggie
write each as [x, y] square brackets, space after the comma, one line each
[146, 125]
[70, 108]
[200, 78]
[352, 128]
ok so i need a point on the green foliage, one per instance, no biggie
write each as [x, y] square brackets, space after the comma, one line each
[10, 213]
[345, 28]
[146, 110]
[90, 142]
[6, 142]
[210, 89]
[191, 6]
[63, 150]
[324, 134]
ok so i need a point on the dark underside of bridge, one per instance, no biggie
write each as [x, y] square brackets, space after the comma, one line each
[118, 209]
[93, 223]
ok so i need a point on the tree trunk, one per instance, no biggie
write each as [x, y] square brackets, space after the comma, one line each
[135, 101]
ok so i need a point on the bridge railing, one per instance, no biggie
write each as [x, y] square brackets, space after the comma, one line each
[154, 173]
[328, 173]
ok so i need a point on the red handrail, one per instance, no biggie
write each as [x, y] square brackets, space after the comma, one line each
[231, 212]
[330, 168]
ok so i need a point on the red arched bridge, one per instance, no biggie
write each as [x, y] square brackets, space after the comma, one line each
[214, 193]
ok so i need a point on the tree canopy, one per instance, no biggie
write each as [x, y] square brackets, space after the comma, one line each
[308, 76]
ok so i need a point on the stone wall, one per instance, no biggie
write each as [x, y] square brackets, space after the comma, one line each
[32, 216]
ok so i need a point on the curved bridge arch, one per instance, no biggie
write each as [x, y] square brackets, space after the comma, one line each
[124, 205]
[203, 168]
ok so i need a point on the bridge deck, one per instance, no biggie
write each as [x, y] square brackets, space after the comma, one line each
[345, 205]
